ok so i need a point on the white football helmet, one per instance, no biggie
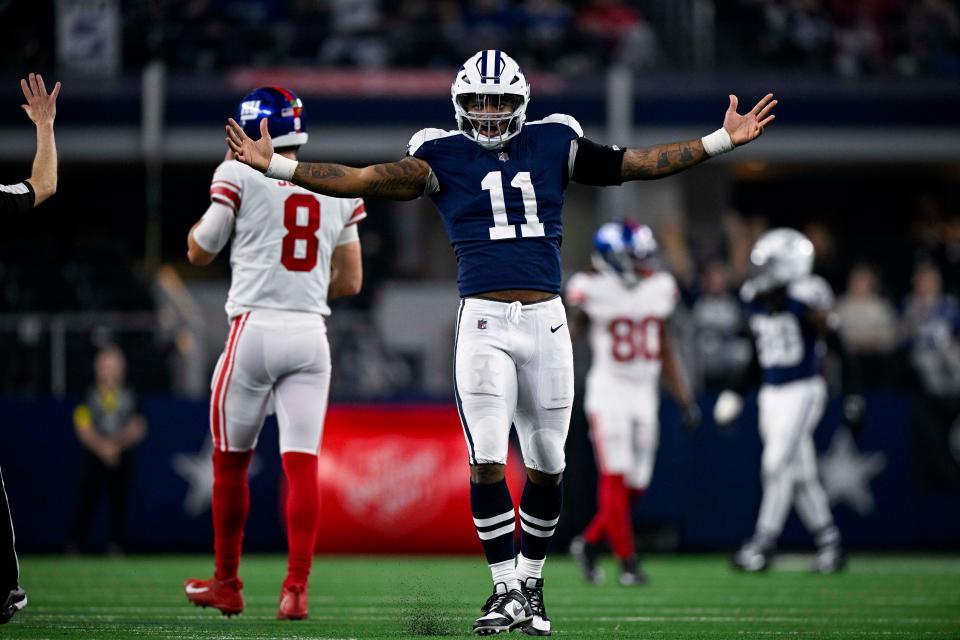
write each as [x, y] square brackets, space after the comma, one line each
[490, 96]
[780, 257]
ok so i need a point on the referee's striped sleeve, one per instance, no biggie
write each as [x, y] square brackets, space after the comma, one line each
[16, 198]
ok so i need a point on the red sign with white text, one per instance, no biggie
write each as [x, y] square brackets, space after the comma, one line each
[395, 479]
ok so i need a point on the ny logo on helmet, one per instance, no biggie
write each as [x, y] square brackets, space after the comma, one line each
[249, 110]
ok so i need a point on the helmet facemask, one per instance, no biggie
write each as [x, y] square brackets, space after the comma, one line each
[490, 119]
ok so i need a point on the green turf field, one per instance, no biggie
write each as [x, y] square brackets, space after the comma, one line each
[389, 597]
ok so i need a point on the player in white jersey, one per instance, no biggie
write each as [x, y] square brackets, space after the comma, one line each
[292, 251]
[628, 302]
[790, 314]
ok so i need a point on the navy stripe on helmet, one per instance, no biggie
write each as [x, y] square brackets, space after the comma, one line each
[483, 66]
[496, 64]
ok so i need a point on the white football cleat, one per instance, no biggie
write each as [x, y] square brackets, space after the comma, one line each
[505, 610]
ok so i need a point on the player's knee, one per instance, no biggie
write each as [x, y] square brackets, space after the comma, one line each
[487, 473]
[544, 452]
[544, 479]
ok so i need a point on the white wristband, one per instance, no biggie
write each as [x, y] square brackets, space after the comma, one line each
[714, 144]
[281, 168]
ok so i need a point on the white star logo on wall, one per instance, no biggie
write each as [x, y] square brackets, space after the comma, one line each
[197, 470]
[847, 472]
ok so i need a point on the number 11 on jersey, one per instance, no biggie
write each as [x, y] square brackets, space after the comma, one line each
[502, 229]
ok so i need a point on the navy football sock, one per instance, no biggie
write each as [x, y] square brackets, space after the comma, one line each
[539, 515]
[494, 518]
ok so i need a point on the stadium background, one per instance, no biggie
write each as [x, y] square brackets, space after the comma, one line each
[865, 157]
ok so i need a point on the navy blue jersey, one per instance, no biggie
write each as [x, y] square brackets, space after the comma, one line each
[788, 343]
[503, 208]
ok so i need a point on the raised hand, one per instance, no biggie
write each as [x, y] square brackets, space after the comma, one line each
[41, 106]
[747, 127]
[255, 153]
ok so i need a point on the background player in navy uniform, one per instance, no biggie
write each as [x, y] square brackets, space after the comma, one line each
[790, 317]
[498, 183]
[20, 198]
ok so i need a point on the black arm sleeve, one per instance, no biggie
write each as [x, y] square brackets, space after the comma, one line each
[16, 198]
[597, 164]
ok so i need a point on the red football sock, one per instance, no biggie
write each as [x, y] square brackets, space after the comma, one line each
[613, 517]
[597, 528]
[303, 511]
[231, 504]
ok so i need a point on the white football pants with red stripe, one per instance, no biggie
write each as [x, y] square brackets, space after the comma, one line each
[281, 356]
[624, 426]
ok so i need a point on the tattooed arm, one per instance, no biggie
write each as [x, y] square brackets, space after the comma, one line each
[664, 160]
[661, 160]
[405, 179]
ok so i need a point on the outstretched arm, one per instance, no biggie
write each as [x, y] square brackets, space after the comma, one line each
[41, 107]
[664, 160]
[602, 166]
[405, 179]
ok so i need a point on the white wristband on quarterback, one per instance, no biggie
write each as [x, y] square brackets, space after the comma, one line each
[281, 168]
[717, 142]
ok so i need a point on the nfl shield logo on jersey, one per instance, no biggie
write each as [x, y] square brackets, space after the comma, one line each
[482, 323]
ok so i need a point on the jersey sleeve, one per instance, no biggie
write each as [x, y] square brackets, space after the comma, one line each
[419, 147]
[358, 211]
[227, 185]
[575, 130]
[814, 292]
[575, 294]
[16, 198]
[670, 291]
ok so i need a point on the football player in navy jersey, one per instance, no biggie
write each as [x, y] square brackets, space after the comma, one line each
[790, 318]
[498, 182]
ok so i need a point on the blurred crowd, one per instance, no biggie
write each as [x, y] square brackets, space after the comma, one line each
[903, 338]
[849, 37]
[846, 37]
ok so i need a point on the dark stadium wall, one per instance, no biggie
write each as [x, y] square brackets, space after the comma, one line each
[704, 495]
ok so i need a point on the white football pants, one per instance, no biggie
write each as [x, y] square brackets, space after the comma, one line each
[272, 357]
[789, 414]
[624, 426]
[514, 366]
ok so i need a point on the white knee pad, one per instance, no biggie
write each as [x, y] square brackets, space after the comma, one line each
[544, 452]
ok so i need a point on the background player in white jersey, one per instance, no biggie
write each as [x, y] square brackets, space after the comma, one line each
[790, 317]
[498, 182]
[292, 251]
[628, 302]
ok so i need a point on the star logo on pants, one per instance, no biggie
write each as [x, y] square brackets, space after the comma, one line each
[485, 375]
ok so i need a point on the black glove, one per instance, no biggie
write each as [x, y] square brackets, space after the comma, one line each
[690, 417]
[854, 410]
